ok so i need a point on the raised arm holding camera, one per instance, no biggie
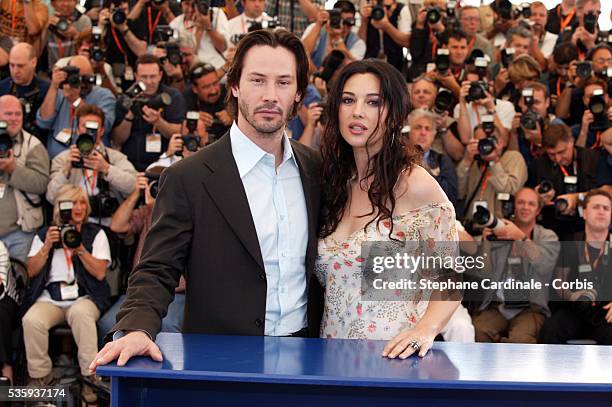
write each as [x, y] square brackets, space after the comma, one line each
[597, 116]
[62, 28]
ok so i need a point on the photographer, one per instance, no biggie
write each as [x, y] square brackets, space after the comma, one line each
[26, 86]
[147, 15]
[530, 251]
[597, 114]
[488, 169]
[475, 101]
[564, 174]
[209, 30]
[422, 133]
[584, 36]
[469, 18]
[30, 19]
[120, 41]
[24, 174]
[529, 124]
[333, 31]
[558, 71]
[67, 267]
[562, 17]
[519, 39]
[253, 16]
[392, 21]
[207, 96]
[105, 174]
[544, 41]
[450, 69]
[62, 28]
[585, 313]
[294, 15]
[66, 92]
[143, 131]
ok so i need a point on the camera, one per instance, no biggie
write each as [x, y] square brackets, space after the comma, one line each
[442, 61]
[504, 9]
[156, 102]
[335, 18]
[103, 205]
[570, 184]
[485, 219]
[597, 106]
[378, 12]
[452, 22]
[118, 16]
[153, 184]
[204, 6]
[481, 64]
[158, 3]
[486, 146]
[488, 124]
[507, 204]
[163, 33]
[434, 14]
[62, 25]
[523, 10]
[444, 101]
[323, 104]
[191, 140]
[173, 52]
[476, 53]
[73, 78]
[477, 91]
[97, 53]
[507, 56]
[263, 25]
[590, 22]
[530, 119]
[86, 142]
[69, 235]
[6, 141]
[545, 186]
[330, 65]
[136, 89]
[584, 69]
[561, 205]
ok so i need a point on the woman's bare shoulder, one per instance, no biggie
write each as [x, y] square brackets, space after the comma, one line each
[417, 188]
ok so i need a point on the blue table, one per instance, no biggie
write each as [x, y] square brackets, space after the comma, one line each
[239, 370]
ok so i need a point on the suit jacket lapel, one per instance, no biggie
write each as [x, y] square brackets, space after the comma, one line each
[225, 188]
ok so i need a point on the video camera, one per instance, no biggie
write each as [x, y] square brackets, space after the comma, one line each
[133, 100]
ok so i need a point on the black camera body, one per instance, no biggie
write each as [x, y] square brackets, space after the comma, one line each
[445, 100]
[6, 141]
[507, 56]
[191, 140]
[487, 145]
[530, 119]
[156, 102]
[598, 106]
[97, 53]
[335, 18]
[434, 15]
[153, 181]
[523, 10]
[442, 61]
[477, 91]
[263, 25]
[73, 78]
[378, 11]
[330, 65]
[103, 205]
[507, 204]
[69, 235]
[590, 22]
[504, 9]
[86, 142]
[204, 6]
[62, 25]
[584, 69]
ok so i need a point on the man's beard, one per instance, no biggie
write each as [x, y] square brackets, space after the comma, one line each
[263, 127]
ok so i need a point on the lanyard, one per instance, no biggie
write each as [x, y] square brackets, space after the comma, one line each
[14, 14]
[485, 168]
[565, 21]
[434, 43]
[152, 25]
[91, 180]
[564, 171]
[559, 86]
[471, 44]
[60, 48]
[68, 257]
[117, 42]
[597, 142]
[588, 258]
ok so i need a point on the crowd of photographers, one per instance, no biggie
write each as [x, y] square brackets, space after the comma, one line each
[510, 106]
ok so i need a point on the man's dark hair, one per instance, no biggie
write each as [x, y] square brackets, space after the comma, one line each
[596, 49]
[86, 109]
[345, 6]
[274, 39]
[199, 70]
[147, 59]
[456, 34]
[565, 53]
[595, 192]
[591, 80]
[555, 134]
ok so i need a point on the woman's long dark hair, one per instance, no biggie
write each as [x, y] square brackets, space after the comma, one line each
[384, 167]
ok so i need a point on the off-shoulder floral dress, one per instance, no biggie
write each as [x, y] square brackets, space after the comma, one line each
[338, 268]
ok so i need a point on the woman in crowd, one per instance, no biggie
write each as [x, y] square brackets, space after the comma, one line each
[68, 283]
[374, 190]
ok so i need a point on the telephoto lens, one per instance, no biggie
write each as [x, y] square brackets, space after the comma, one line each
[433, 15]
[444, 101]
[119, 17]
[545, 186]
[378, 12]
[486, 146]
[86, 142]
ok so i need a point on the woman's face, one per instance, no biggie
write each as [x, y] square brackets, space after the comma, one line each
[79, 210]
[359, 112]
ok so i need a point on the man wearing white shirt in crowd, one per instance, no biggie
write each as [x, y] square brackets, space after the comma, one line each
[253, 13]
[209, 31]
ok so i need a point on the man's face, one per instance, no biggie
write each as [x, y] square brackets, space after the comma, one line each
[562, 71]
[389, 6]
[64, 8]
[267, 92]
[539, 17]
[254, 8]
[602, 59]
[346, 18]
[588, 92]
[562, 153]
[458, 50]
[540, 103]
[208, 88]
[470, 21]
[91, 118]
[151, 75]
[521, 45]
[22, 67]
[187, 9]
[597, 213]
[423, 94]
[85, 49]
[526, 206]
[187, 58]
[421, 133]
[12, 114]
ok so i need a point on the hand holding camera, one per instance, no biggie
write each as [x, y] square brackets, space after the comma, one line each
[471, 151]
[314, 113]
[58, 77]
[96, 162]
[224, 117]
[150, 115]
[74, 159]
[52, 238]
[175, 145]
[322, 18]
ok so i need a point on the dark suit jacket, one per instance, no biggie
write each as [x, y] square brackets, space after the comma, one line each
[202, 225]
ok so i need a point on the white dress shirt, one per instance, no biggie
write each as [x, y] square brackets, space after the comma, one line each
[278, 209]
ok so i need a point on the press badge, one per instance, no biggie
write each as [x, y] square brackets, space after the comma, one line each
[69, 291]
[154, 144]
[128, 75]
[570, 179]
[584, 268]
[64, 137]
[514, 261]
[2, 190]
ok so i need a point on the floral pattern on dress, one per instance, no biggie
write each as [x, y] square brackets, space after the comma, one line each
[338, 268]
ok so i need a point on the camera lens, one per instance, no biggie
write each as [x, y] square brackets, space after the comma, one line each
[378, 13]
[191, 143]
[529, 120]
[476, 92]
[486, 146]
[6, 142]
[433, 15]
[154, 188]
[444, 101]
[85, 144]
[561, 204]
[119, 17]
[545, 186]
[62, 25]
[71, 238]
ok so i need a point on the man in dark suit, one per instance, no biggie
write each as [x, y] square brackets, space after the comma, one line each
[238, 219]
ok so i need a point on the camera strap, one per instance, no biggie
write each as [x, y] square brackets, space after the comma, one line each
[434, 43]
[485, 179]
[564, 22]
[118, 43]
[68, 257]
[473, 195]
[152, 25]
[90, 180]
[587, 257]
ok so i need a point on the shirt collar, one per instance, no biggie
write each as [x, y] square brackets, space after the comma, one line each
[250, 153]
